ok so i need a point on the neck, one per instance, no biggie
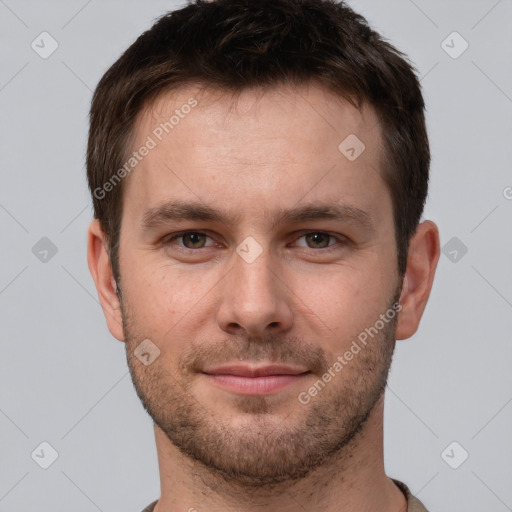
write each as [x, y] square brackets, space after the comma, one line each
[353, 479]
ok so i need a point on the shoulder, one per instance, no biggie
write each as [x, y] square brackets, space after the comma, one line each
[413, 503]
[150, 507]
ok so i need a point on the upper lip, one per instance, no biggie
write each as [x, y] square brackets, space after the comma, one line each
[244, 370]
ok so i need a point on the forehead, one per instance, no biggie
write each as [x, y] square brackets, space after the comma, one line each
[276, 145]
[265, 111]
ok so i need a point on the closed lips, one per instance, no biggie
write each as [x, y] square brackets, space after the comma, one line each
[264, 371]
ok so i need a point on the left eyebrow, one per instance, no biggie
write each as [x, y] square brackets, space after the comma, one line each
[183, 210]
[338, 212]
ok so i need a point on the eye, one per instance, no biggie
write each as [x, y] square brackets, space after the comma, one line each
[321, 240]
[194, 240]
[189, 239]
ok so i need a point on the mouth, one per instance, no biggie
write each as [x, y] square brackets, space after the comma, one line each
[255, 380]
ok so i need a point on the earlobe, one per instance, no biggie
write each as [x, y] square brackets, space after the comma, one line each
[101, 271]
[424, 250]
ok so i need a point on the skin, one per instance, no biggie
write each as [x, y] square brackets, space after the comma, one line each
[302, 301]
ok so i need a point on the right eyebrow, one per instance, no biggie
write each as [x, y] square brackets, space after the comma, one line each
[179, 211]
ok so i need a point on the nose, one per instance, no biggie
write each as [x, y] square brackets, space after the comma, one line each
[255, 298]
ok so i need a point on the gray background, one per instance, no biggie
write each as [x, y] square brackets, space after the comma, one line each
[64, 379]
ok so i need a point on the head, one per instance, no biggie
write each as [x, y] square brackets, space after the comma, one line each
[258, 173]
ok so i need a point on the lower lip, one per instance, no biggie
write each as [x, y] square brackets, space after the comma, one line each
[255, 385]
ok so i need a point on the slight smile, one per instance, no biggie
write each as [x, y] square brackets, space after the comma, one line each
[247, 380]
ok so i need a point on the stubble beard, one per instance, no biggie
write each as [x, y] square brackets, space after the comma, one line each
[269, 451]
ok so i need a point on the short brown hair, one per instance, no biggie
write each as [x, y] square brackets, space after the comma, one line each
[237, 44]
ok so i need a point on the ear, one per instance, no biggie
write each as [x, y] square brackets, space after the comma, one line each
[424, 250]
[101, 271]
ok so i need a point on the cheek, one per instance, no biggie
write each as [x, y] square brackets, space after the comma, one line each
[343, 303]
[167, 302]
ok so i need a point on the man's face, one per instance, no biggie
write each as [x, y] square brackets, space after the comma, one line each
[257, 287]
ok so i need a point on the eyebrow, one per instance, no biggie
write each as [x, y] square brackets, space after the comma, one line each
[182, 211]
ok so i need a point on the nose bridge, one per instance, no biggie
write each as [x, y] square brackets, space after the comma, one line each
[253, 278]
[253, 296]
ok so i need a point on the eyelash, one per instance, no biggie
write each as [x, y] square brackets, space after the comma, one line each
[342, 240]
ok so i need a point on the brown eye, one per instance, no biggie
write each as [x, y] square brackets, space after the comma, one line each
[322, 241]
[188, 240]
[318, 240]
[193, 240]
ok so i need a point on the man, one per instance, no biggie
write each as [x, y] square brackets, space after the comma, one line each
[258, 173]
